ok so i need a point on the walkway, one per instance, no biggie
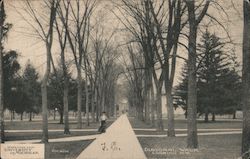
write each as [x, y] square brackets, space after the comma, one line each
[63, 139]
[199, 134]
[119, 142]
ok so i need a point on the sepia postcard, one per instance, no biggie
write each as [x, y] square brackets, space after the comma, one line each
[124, 79]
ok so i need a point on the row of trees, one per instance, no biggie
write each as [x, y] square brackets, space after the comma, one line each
[25, 90]
[153, 31]
[157, 30]
[83, 47]
[157, 33]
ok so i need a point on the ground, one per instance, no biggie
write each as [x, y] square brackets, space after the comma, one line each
[226, 146]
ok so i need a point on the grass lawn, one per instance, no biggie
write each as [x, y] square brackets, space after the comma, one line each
[37, 125]
[57, 150]
[210, 147]
[182, 124]
[37, 135]
[143, 132]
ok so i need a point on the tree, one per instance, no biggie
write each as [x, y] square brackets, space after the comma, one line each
[22, 101]
[62, 39]
[217, 77]
[169, 48]
[10, 70]
[78, 38]
[56, 91]
[101, 66]
[55, 88]
[4, 27]
[31, 87]
[43, 28]
[135, 78]
[194, 21]
[218, 82]
[159, 42]
[246, 82]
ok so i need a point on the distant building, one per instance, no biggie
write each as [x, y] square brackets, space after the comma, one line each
[122, 106]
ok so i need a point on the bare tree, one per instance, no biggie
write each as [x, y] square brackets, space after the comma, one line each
[169, 47]
[159, 42]
[142, 28]
[43, 27]
[102, 60]
[78, 38]
[194, 20]
[62, 39]
[246, 82]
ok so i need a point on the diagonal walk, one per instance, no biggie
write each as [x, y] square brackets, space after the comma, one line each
[119, 142]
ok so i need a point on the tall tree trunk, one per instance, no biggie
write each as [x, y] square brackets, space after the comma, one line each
[66, 106]
[44, 90]
[158, 101]
[97, 101]
[115, 110]
[30, 116]
[21, 116]
[213, 116]
[93, 105]
[139, 111]
[48, 42]
[61, 117]
[147, 105]
[192, 138]
[170, 113]
[1, 73]
[234, 114]
[147, 110]
[103, 101]
[79, 98]
[148, 82]
[246, 83]
[45, 135]
[11, 115]
[152, 106]
[87, 98]
[115, 102]
[206, 117]
[54, 114]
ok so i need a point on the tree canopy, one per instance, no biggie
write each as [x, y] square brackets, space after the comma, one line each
[218, 82]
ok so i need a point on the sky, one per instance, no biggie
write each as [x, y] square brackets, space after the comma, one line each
[32, 49]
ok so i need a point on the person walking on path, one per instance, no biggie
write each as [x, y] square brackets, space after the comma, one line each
[103, 118]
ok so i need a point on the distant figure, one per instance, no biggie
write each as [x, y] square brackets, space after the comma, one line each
[103, 118]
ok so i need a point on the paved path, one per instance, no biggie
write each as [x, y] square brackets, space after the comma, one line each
[64, 139]
[199, 134]
[143, 129]
[51, 130]
[119, 142]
